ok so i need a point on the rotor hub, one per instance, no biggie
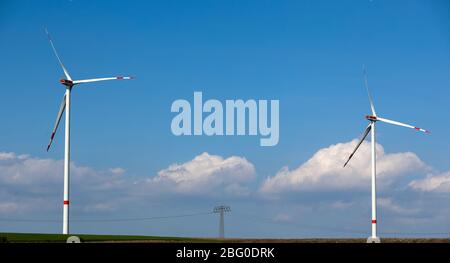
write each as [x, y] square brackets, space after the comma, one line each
[66, 82]
[371, 118]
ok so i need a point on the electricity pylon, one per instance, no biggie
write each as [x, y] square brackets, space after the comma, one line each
[221, 210]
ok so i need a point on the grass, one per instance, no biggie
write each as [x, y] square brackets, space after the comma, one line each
[59, 238]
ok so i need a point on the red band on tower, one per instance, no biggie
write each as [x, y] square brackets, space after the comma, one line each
[374, 221]
[66, 202]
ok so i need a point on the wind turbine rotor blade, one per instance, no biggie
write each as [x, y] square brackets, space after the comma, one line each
[366, 84]
[57, 56]
[402, 124]
[58, 119]
[100, 79]
[366, 132]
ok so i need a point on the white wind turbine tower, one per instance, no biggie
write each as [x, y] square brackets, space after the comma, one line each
[65, 105]
[371, 127]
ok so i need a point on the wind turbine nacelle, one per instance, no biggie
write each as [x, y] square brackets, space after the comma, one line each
[371, 118]
[66, 82]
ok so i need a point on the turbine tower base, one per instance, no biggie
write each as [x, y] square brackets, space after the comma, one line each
[373, 240]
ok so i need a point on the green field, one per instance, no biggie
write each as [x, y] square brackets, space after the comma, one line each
[58, 238]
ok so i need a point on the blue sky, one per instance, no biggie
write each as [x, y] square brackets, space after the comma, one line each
[306, 54]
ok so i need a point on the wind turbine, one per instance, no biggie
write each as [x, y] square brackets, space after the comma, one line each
[371, 127]
[65, 105]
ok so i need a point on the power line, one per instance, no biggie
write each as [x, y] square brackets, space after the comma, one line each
[334, 229]
[252, 217]
[301, 225]
[106, 220]
[416, 233]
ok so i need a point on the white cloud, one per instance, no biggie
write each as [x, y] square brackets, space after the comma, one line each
[389, 204]
[439, 183]
[7, 155]
[341, 205]
[29, 183]
[21, 170]
[206, 174]
[24, 170]
[8, 207]
[117, 170]
[324, 171]
[100, 207]
[282, 218]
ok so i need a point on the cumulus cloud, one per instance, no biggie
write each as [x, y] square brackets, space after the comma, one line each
[389, 204]
[101, 207]
[282, 218]
[341, 205]
[117, 170]
[28, 183]
[23, 170]
[439, 183]
[205, 174]
[8, 207]
[7, 156]
[324, 171]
